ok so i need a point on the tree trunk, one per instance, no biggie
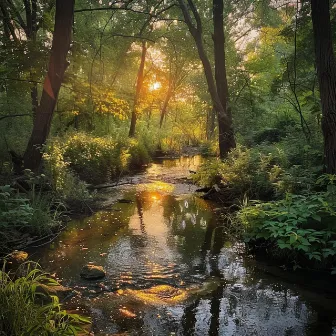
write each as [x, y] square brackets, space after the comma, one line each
[165, 104]
[326, 70]
[34, 98]
[138, 90]
[57, 66]
[9, 28]
[225, 129]
[211, 119]
[224, 122]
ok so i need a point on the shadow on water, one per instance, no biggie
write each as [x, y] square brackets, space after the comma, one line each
[171, 271]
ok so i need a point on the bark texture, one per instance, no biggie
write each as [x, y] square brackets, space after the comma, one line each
[326, 70]
[53, 81]
[226, 139]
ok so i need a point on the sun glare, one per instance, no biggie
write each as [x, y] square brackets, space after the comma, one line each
[155, 86]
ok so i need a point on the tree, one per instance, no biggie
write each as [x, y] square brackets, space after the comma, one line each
[27, 25]
[221, 77]
[138, 89]
[225, 134]
[326, 70]
[52, 84]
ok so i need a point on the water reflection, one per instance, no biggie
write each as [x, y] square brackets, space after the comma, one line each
[168, 273]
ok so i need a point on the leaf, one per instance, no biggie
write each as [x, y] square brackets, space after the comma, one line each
[292, 239]
[316, 217]
[303, 248]
[304, 241]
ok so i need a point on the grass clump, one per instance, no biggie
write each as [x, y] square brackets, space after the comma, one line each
[22, 315]
[24, 214]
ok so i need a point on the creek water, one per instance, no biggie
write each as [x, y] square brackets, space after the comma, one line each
[170, 270]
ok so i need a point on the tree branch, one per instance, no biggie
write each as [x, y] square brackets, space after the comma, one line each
[14, 116]
[196, 16]
[18, 15]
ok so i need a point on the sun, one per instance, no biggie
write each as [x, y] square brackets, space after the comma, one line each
[155, 86]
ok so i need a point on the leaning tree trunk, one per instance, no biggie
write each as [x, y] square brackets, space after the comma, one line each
[138, 90]
[225, 128]
[52, 84]
[326, 70]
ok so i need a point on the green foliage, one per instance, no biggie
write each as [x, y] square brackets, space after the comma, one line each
[298, 225]
[16, 212]
[246, 171]
[24, 214]
[93, 159]
[20, 313]
[265, 171]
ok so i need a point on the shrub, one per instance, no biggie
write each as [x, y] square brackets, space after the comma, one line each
[68, 187]
[138, 154]
[20, 313]
[93, 159]
[271, 135]
[265, 171]
[303, 225]
[245, 171]
[24, 214]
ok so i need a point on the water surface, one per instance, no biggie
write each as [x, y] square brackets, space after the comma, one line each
[171, 269]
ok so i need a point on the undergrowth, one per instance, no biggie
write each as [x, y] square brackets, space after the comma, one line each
[263, 172]
[23, 314]
[92, 159]
[300, 229]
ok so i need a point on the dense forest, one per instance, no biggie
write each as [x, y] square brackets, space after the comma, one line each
[92, 92]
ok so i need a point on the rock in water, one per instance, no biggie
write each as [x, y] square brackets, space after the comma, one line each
[237, 287]
[17, 258]
[55, 290]
[92, 272]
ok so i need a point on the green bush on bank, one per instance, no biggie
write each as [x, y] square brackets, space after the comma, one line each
[26, 213]
[93, 159]
[31, 213]
[263, 172]
[299, 228]
[21, 314]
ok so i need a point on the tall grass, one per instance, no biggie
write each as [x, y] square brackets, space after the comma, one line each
[20, 313]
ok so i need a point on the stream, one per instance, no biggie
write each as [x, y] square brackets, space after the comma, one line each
[170, 270]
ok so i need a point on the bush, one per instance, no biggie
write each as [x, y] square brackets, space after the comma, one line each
[303, 225]
[20, 313]
[93, 159]
[265, 171]
[24, 214]
[271, 135]
[245, 171]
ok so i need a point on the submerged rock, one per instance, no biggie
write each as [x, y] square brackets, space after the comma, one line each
[159, 295]
[92, 272]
